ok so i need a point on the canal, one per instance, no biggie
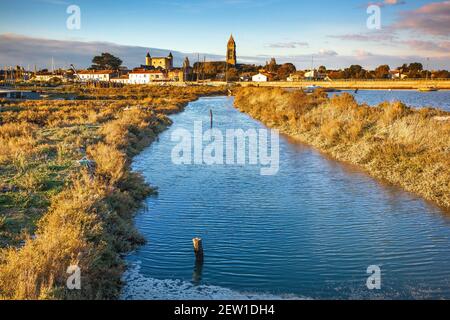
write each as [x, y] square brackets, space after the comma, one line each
[310, 232]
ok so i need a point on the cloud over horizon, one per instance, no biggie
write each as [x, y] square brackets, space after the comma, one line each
[288, 45]
[386, 3]
[426, 29]
[28, 51]
[18, 49]
[432, 19]
[374, 36]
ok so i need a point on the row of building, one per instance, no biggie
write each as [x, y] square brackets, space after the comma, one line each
[264, 76]
[156, 69]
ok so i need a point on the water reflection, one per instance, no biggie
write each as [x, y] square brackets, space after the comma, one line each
[311, 231]
[197, 274]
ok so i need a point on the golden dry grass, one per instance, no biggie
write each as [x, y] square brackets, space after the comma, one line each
[55, 213]
[392, 142]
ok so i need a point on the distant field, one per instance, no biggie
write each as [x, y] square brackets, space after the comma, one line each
[441, 84]
[351, 84]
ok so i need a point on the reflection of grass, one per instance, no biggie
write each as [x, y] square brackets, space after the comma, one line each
[393, 142]
[63, 213]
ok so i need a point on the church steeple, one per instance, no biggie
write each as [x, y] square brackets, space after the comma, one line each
[231, 51]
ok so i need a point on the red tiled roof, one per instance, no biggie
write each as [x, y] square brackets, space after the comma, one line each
[121, 77]
[96, 72]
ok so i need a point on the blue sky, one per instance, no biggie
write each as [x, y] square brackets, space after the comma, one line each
[287, 29]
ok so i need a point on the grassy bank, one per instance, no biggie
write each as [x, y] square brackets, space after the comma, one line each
[411, 84]
[57, 211]
[392, 142]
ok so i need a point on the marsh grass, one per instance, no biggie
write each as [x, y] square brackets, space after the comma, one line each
[55, 212]
[392, 142]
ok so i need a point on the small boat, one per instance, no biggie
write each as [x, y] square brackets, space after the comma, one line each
[428, 89]
[311, 89]
[331, 90]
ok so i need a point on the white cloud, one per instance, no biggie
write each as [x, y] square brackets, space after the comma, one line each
[18, 49]
[360, 53]
[327, 52]
[432, 18]
[387, 3]
[288, 45]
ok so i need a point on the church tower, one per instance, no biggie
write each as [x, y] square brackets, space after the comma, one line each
[148, 59]
[231, 52]
[170, 57]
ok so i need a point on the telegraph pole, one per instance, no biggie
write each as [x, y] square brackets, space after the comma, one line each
[198, 66]
[203, 69]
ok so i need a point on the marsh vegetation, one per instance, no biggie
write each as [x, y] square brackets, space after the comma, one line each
[67, 193]
[391, 141]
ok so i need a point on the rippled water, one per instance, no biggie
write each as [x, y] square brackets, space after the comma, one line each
[309, 232]
[413, 98]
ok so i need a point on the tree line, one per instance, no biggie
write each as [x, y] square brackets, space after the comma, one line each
[220, 70]
[412, 71]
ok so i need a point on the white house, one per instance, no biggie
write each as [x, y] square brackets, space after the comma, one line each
[146, 76]
[259, 78]
[396, 74]
[96, 75]
[47, 76]
[125, 79]
[314, 75]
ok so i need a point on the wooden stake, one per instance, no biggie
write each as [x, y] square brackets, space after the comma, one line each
[212, 118]
[198, 249]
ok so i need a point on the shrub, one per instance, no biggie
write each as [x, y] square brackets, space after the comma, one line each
[331, 130]
[393, 112]
[354, 130]
[110, 163]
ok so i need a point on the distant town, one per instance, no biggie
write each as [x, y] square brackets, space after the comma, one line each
[108, 69]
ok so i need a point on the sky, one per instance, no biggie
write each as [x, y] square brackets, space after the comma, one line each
[305, 32]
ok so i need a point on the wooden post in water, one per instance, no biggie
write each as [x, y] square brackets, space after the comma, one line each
[198, 249]
[212, 118]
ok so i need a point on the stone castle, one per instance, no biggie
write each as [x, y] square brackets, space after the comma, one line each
[165, 63]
